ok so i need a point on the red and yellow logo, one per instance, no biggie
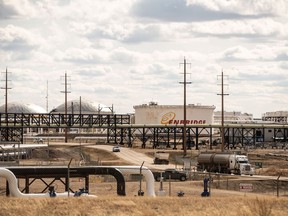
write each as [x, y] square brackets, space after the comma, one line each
[167, 117]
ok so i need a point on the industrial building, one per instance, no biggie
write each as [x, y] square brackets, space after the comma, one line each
[277, 117]
[234, 117]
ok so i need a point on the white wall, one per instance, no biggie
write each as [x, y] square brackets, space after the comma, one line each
[173, 114]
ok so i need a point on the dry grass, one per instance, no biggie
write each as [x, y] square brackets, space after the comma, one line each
[238, 206]
[221, 203]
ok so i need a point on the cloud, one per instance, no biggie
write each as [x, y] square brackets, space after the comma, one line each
[268, 53]
[247, 7]
[83, 56]
[96, 11]
[124, 56]
[180, 11]
[238, 53]
[257, 22]
[7, 10]
[136, 48]
[127, 33]
[265, 27]
[16, 38]
[16, 9]
[284, 65]
[142, 33]
[86, 72]
[283, 56]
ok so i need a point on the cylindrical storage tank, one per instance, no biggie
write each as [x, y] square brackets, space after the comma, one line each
[221, 158]
[205, 158]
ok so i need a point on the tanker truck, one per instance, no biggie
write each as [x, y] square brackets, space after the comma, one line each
[230, 163]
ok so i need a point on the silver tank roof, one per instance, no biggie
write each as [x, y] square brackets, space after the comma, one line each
[87, 107]
[17, 107]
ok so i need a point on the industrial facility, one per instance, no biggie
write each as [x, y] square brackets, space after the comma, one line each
[89, 120]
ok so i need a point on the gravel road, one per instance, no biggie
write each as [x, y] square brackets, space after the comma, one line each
[134, 157]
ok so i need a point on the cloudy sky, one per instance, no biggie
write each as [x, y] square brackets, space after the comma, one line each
[131, 52]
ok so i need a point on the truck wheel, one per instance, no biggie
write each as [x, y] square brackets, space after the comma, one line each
[182, 178]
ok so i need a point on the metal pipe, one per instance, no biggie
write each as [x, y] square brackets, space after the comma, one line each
[15, 192]
[118, 170]
[147, 174]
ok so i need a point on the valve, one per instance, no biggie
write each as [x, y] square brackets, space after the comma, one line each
[52, 191]
[80, 192]
[205, 193]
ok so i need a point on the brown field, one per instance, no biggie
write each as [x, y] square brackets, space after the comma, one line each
[104, 206]
[225, 197]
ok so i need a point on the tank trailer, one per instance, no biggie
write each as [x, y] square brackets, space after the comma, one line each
[230, 163]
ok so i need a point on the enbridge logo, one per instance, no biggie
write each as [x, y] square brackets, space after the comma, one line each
[168, 117]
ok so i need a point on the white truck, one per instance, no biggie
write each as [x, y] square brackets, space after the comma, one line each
[222, 162]
[161, 157]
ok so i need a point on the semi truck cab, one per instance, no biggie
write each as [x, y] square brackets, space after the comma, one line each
[242, 164]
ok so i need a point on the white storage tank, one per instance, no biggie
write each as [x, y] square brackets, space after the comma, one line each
[153, 113]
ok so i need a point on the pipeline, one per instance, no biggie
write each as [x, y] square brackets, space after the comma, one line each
[15, 192]
[147, 174]
[149, 177]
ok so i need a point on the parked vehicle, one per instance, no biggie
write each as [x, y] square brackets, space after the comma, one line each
[116, 149]
[161, 157]
[38, 140]
[170, 174]
[224, 163]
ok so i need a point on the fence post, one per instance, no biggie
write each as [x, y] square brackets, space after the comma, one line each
[277, 183]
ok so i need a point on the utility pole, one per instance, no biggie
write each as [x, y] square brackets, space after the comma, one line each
[6, 90]
[47, 101]
[111, 109]
[6, 94]
[65, 93]
[222, 111]
[184, 111]
[80, 122]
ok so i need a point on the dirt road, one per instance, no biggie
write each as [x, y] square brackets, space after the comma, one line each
[134, 157]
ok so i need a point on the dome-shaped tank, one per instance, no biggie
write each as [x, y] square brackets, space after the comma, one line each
[17, 107]
[73, 106]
